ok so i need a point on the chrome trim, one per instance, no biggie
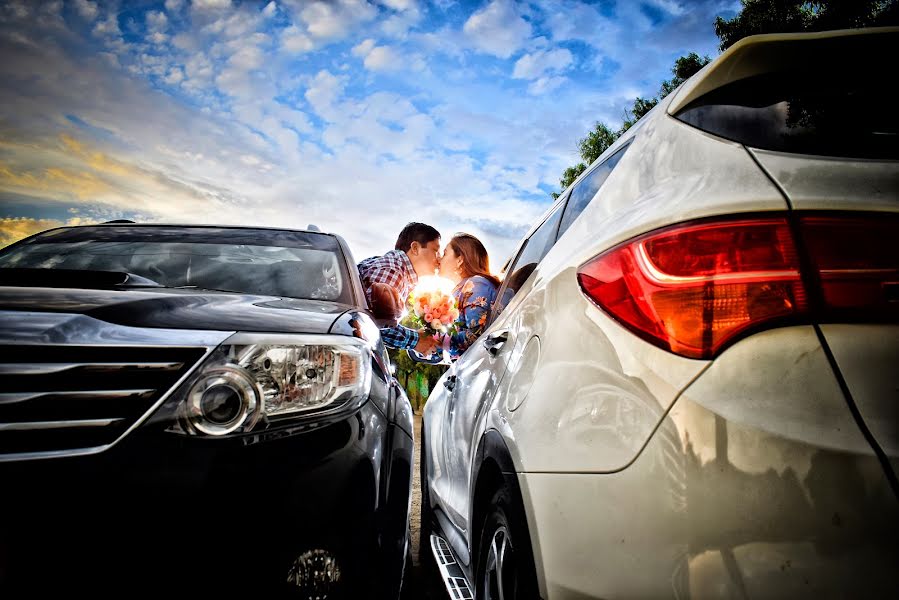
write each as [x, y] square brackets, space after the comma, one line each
[60, 329]
[15, 397]
[137, 423]
[50, 368]
[31, 425]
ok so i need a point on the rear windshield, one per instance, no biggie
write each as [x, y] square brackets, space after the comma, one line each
[269, 262]
[846, 114]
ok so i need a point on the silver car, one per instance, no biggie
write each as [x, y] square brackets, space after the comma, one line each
[689, 386]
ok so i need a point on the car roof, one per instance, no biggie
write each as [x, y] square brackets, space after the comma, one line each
[193, 225]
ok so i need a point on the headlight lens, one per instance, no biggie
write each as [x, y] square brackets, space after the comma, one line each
[257, 380]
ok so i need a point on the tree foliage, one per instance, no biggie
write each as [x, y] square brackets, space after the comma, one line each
[684, 68]
[417, 378]
[783, 16]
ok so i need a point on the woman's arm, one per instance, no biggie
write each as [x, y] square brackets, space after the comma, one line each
[474, 301]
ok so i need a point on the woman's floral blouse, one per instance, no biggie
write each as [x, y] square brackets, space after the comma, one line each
[474, 296]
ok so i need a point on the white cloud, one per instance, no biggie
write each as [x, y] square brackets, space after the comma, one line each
[270, 9]
[293, 40]
[672, 7]
[158, 38]
[532, 66]
[383, 58]
[323, 92]
[363, 48]
[334, 18]
[378, 58]
[173, 5]
[545, 85]
[87, 9]
[175, 76]
[108, 27]
[498, 29]
[156, 21]
[574, 20]
[18, 9]
[247, 58]
[400, 4]
[210, 4]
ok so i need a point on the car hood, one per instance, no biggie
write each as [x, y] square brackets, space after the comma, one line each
[179, 309]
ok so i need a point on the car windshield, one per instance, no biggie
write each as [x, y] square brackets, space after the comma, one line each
[256, 261]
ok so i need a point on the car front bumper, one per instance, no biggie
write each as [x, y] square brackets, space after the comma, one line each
[170, 512]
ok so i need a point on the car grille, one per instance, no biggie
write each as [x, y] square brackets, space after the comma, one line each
[55, 399]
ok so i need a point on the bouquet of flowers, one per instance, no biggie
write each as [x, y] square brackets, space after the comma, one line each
[434, 311]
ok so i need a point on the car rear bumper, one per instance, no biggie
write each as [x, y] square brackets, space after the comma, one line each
[758, 483]
[176, 513]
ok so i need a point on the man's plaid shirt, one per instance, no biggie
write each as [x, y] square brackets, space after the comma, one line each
[395, 269]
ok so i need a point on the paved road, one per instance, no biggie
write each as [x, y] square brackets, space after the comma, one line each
[421, 582]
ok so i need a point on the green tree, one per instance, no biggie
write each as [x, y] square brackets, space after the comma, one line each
[596, 142]
[589, 148]
[783, 16]
[684, 68]
[634, 114]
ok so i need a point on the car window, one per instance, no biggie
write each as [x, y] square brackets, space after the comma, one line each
[272, 263]
[582, 193]
[533, 251]
[801, 113]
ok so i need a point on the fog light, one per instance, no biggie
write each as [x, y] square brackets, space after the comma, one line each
[222, 401]
[316, 575]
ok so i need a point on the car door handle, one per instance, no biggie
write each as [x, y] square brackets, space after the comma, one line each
[495, 341]
[450, 382]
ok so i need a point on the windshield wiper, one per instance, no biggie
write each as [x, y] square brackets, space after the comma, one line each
[72, 278]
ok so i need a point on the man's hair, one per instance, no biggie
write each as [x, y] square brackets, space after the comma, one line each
[416, 232]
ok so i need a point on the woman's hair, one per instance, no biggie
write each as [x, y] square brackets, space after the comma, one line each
[474, 257]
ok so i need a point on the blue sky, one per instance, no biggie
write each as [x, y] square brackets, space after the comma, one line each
[355, 115]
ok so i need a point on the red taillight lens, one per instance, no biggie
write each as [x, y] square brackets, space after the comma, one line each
[856, 260]
[694, 288]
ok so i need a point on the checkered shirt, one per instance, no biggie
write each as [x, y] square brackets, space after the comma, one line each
[396, 270]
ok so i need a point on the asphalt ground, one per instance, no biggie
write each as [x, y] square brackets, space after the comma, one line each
[422, 581]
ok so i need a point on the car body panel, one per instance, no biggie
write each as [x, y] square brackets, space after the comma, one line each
[773, 517]
[867, 357]
[598, 386]
[35, 327]
[180, 309]
[821, 182]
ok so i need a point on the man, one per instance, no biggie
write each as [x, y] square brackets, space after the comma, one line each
[416, 253]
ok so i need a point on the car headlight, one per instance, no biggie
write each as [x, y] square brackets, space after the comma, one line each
[255, 381]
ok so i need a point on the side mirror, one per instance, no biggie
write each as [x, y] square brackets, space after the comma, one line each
[385, 305]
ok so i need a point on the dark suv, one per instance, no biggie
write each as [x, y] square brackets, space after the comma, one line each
[197, 408]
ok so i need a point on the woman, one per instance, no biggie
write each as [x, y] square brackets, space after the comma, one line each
[466, 263]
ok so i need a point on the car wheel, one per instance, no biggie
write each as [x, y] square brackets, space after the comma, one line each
[505, 561]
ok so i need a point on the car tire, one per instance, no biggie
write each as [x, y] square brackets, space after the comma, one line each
[505, 559]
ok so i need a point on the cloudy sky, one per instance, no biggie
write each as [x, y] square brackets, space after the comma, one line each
[355, 115]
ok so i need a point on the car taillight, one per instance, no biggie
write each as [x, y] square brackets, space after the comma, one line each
[856, 261]
[697, 287]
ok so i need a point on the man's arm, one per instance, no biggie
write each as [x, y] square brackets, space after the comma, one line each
[400, 337]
